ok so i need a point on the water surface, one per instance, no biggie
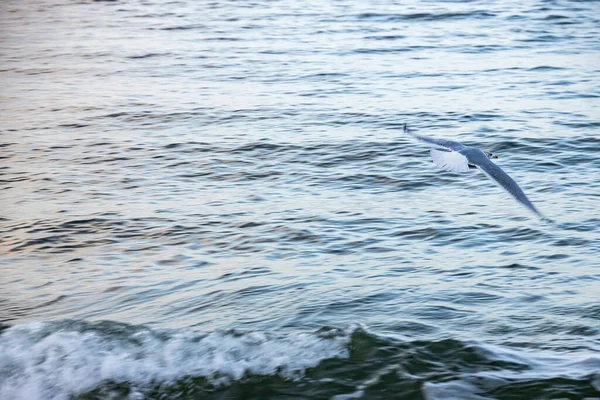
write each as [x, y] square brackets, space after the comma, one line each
[216, 200]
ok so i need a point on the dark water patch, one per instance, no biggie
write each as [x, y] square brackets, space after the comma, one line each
[180, 27]
[586, 311]
[115, 115]
[543, 68]
[265, 149]
[572, 242]
[546, 39]
[507, 69]
[385, 37]
[73, 125]
[520, 266]
[573, 95]
[325, 76]
[422, 234]
[390, 50]
[589, 225]
[476, 14]
[591, 124]
[520, 234]
[147, 55]
[481, 48]
[489, 116]
[555, 256]
[553, 17]
[252, 271]
[561, 388]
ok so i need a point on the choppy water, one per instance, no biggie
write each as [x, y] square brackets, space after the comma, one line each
[216, 200]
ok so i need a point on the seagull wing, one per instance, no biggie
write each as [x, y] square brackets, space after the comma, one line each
[439, 144]
[507, 183]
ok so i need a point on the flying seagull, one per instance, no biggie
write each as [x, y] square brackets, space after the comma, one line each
[454, 156]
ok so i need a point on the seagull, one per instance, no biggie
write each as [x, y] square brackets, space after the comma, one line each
[454, 156]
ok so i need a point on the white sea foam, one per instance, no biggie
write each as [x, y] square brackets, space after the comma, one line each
[54, 361]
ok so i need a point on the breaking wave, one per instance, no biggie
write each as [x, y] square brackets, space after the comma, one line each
[77, 359]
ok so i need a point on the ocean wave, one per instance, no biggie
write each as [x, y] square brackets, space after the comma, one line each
[78, 359]
[57, 360]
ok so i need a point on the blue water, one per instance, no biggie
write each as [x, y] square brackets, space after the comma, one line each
[216, 200]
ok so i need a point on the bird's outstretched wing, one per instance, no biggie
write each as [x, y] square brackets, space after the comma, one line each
[507, 183]
[439, 144]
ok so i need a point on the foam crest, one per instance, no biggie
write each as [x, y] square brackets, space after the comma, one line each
[58, 360]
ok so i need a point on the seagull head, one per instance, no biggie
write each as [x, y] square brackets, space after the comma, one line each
[490, 155]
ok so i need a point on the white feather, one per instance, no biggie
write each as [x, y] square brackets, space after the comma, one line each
[450, 160]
